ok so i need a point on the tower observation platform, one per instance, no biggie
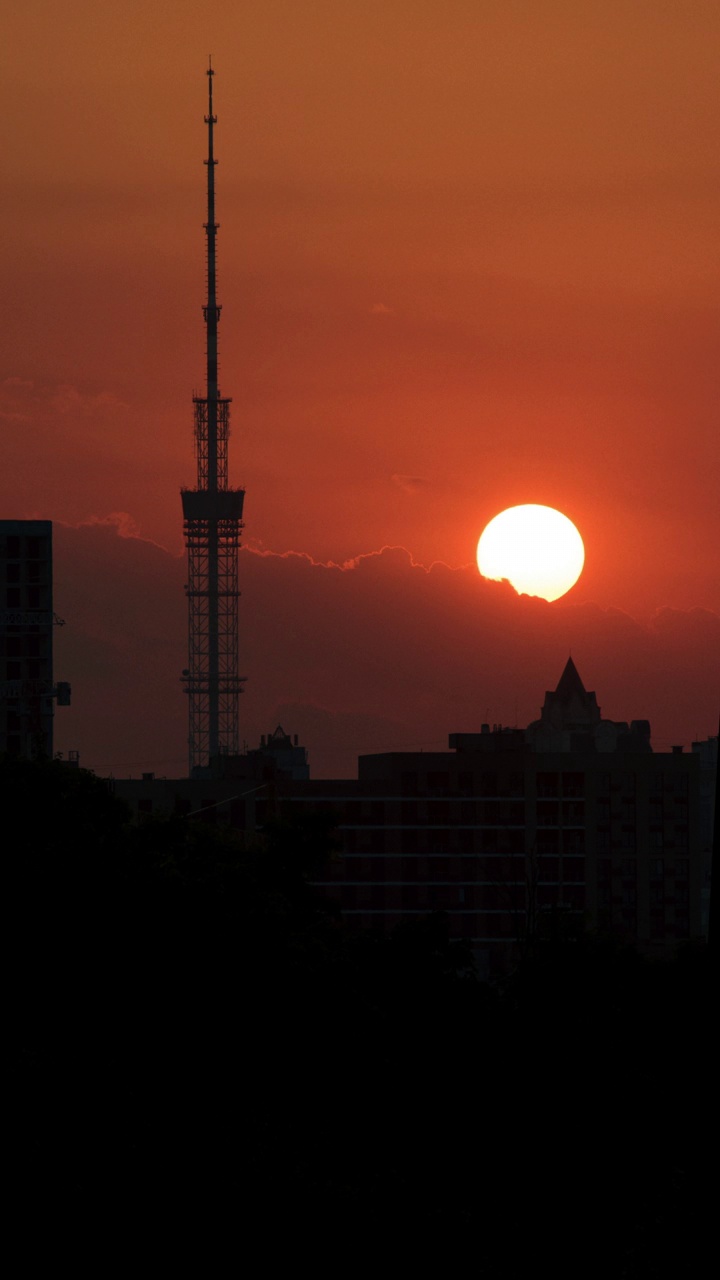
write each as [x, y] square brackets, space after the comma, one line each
[212, 516]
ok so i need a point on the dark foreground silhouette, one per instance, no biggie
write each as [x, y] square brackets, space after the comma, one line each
[196, 1038]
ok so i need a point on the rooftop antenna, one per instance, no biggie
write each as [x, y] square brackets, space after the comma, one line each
[212, 515]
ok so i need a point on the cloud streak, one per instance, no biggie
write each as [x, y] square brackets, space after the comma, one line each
[380, 653]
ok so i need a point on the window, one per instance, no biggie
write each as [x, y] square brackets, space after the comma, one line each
[573, 784]
[574, 812]
[547, 784]
[547, 814]
[438, 782]
[682, 923]
[409, 841]
[547, 841]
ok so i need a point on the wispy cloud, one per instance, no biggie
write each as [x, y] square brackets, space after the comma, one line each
[375, 654]
[18, 384]
[410, 484]
[66, 399]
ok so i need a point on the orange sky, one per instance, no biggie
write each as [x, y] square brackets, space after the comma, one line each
[468, 258]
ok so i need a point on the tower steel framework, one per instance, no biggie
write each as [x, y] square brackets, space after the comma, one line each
[212, 523]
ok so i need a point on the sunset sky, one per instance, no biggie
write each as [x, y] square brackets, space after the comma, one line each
[468, 258]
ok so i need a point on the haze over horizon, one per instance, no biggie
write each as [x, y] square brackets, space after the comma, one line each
[467, 259]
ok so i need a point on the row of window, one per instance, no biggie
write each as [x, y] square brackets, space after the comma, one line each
[664, 927]
[463, 783]
[443, 839]
[617, 785]
[629, 868]
[657, 839]
[27, 597]
[30, 669]
[31, 571]
[33, 645]
[625, 783]
[32, 548]
[552, 785]
[491, 900]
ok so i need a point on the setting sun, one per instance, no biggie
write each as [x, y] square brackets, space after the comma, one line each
[537, 549]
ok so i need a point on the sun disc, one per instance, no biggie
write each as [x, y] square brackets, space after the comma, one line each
[537, 549]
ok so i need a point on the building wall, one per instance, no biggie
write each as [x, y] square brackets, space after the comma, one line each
[517, 845]
[513, 845]
[26, 637]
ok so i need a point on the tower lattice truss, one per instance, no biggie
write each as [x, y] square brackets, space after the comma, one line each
[212, 524]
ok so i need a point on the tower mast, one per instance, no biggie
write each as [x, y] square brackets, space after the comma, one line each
[212, 523]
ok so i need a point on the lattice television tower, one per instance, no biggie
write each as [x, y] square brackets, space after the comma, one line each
[212, 522]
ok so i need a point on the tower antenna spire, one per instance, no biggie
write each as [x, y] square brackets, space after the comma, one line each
[212, 523]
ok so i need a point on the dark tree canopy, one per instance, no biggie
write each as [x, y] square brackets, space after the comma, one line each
[192, 1022]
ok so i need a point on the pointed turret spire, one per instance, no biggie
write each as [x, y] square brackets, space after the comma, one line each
[570, 683]
[571, 705]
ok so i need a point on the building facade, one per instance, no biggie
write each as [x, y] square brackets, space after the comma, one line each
[573, 824]
[27, 689]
